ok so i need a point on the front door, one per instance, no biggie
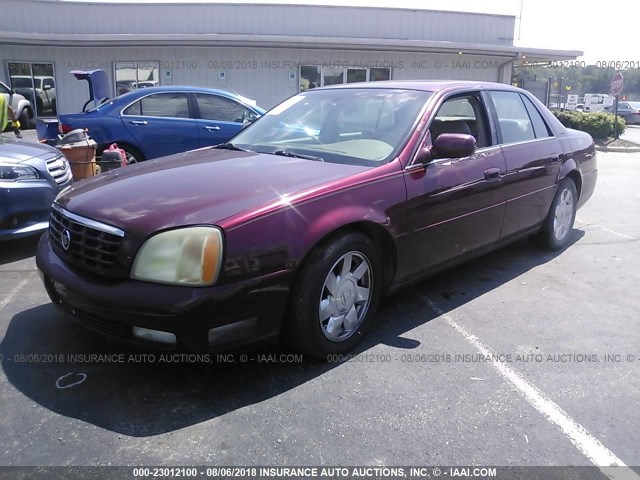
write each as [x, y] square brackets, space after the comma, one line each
[219, 118]
[455, 205]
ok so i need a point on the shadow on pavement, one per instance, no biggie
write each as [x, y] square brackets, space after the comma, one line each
[18, 249]
[142, 399]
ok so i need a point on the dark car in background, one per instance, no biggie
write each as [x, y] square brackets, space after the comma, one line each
[31, 175]
[298, 225]
[157, 121]
[630, 111]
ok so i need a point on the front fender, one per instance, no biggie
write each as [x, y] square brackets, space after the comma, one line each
[330, 222]
[282, 239]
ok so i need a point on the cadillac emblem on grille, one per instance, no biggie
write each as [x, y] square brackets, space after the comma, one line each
[65, 239]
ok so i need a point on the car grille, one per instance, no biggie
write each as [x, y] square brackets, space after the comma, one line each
[58, 168]
[90, 245]
[105, 327]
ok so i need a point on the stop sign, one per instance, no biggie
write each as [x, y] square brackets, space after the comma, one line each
[617, 83]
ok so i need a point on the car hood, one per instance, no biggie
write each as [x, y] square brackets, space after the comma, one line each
[16, 151]
[199, 187]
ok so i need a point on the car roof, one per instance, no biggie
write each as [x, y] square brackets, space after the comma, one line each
[29, 76]
[133, 95]
[140, 92]
[182, 88]
[427, 85]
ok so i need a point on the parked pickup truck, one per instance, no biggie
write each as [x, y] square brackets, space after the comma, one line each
[41, 94]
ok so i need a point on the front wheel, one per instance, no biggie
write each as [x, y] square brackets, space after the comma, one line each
[25, 119]
[556, 229]
[335, 296]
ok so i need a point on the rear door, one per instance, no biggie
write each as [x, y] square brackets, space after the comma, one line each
[162, 124]
[533, 156]
[456, 205]
[219, 118]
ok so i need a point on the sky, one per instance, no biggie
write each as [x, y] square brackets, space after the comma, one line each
[594, 28]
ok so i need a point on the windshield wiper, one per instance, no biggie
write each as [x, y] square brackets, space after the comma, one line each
[230, 146]
[286, 153]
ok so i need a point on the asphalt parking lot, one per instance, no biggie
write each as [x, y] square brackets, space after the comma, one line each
[632, 133]
[563, 387]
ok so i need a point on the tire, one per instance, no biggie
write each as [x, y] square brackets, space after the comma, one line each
[329, 312]
[556, 229]
[25, 119]
[133, 154]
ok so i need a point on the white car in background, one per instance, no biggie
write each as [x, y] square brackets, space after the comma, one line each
[20, 105]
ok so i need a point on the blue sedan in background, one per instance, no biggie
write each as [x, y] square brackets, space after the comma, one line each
[157, 121]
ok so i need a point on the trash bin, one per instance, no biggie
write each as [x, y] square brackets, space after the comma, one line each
[80, 152]
[47, 130]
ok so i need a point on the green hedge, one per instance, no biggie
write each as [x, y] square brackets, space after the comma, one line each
[597, 124]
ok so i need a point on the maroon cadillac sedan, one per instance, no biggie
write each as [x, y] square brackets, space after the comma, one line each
[302, 222]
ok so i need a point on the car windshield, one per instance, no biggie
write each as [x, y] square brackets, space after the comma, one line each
[635, 105]
[364, 126]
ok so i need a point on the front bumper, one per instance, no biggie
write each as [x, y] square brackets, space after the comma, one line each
[24, 207]
[202, 319]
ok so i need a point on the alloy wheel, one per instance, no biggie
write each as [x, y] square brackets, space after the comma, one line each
[345, 297]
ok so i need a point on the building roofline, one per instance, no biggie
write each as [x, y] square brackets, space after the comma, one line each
[279, 41]
[260, 4]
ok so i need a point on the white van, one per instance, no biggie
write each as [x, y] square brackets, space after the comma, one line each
[596, 102]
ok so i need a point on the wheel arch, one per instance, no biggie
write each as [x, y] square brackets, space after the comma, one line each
[380, 236]
[121, 144]
[570, 169]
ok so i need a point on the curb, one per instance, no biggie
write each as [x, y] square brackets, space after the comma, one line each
[618, 149]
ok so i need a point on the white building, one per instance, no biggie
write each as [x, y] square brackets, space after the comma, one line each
[265, 52]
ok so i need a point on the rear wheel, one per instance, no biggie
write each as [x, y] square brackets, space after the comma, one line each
[556, 230]
[133, 154]
[335, 296]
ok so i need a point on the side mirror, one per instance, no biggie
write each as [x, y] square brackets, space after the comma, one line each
[47, 87]
[454, 145]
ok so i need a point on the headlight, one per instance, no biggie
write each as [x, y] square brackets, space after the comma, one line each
[16, 173]
[186, 256]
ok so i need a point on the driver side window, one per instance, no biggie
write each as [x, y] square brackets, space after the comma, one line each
[462, 114]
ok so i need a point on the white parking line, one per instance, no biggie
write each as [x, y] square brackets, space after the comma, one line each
[590, 446]
[13, 293]
[605, 229]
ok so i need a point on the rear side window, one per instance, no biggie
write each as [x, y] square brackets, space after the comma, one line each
[133, 109]
[213, 107]
[174, 105]
[539, 127]
[514, 121]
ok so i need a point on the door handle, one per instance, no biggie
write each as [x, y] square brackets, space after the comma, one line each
[139, 122]
[212, 129]
[492, 174]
